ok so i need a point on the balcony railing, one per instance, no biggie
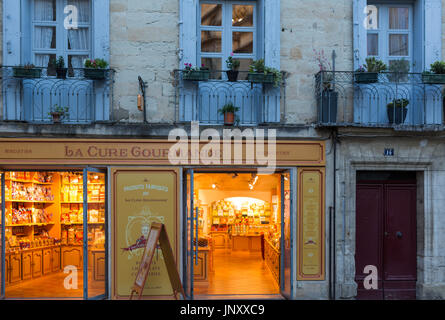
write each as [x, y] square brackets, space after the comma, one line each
[342, 100]
[32, 97]
[200, 100]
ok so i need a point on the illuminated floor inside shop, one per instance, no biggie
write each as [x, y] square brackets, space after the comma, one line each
[237, 273]
[52, 286]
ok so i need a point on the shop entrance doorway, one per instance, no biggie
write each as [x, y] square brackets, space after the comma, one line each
[386, 233]
[238, 239]
[53, 234]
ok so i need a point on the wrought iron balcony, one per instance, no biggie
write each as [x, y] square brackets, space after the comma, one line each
[31, 95]
[201, 100]
[404, 101]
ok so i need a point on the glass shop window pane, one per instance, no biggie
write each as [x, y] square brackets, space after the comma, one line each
[398, 18]
[373, 44]
[45, 10]
[211, 41]
[242, 42]
[45, 37]
[213, 64]
[398, 44]
[244, 66]
[211, 14]
[242, 16]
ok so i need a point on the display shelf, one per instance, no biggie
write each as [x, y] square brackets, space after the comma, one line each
[29, 224]
[28, 201]
[81, 202]
[79, 223]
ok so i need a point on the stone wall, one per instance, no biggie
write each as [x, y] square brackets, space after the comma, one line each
[144, 38]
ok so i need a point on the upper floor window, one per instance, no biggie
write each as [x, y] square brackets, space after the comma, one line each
[228, 27]
[51, 39]
[390, 36]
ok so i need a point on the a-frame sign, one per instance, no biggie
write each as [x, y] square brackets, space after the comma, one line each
[157, 233]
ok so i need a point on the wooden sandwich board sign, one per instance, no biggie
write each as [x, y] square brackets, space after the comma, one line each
[157, 233]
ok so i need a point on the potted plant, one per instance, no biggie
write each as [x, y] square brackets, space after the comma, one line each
[58, 113]
[399, 70]
[369, 73]
[436, 73]
[95, 69]
[195, 73]
[397, 111]
[233, 65]
[259, 73]
[60, 68]
[328, 100]
[27, 71]
[228, 110]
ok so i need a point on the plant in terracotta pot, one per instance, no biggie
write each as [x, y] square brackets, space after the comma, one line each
[436, 75]
[397, 111]
[369, 73]
[228, 110]
[58, 113]
[232, 65]
[95, 69]
[59, 65]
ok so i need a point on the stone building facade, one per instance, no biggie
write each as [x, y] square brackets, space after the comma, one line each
[152, 39]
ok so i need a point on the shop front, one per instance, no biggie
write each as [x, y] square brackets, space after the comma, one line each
[76, 214]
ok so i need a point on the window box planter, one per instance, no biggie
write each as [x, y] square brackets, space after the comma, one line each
[94, 74]
[327, 111]
[261, 77]
[397, 114]
[366, 77]
[196, 75]
[20, 72]
[433, 78]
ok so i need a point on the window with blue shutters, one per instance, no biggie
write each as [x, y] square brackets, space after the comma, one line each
[210, 30]
[39, 31]
[49, 36]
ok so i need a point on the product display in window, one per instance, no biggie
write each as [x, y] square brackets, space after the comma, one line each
[44, 223]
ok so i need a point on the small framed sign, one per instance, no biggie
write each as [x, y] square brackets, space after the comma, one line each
[389, 152]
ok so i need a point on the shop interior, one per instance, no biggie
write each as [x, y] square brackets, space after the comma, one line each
[44, 228]
[239, 229]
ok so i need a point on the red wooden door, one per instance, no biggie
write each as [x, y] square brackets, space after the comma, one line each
[399, 249]
[386, 238]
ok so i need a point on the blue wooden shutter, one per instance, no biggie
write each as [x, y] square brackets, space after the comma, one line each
[11, 57]
[188, 47]
[11, 32]
[360, 33]
[272, 45]
[101, 49]
[101, 29]
[433, 34]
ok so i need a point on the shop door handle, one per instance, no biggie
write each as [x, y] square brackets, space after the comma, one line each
[398, 234]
